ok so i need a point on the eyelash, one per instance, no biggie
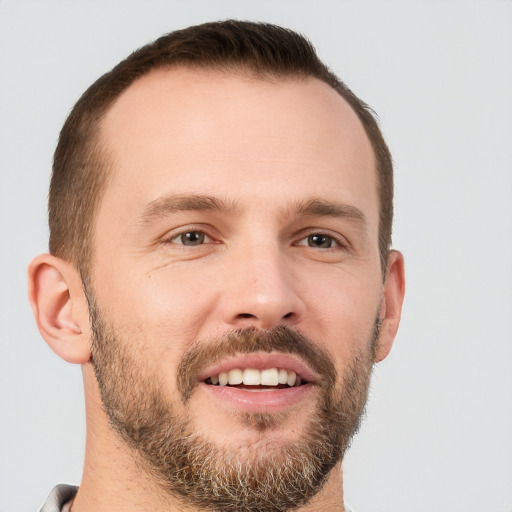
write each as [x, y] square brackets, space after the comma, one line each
[305, 242]
[170, 239]
[338, 241]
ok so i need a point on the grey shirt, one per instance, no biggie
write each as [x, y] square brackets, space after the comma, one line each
[60, 498]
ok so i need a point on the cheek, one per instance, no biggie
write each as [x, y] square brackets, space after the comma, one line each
[343, 314]
[162, 299]
[180, 303]
[158, 314]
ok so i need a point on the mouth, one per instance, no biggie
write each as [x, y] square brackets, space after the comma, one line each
[259, 382]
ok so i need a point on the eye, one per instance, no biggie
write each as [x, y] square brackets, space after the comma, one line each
[319, 241]
[191, 238]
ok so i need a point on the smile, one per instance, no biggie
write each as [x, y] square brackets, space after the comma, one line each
[259, 382]
[277, 378]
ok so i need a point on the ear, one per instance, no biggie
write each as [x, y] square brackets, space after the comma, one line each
[391, 304]
[60, 307]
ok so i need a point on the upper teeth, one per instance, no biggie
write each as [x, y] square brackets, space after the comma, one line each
[253, 377]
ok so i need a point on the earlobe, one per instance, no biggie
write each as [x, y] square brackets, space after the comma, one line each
[391, 304]
[59, 306]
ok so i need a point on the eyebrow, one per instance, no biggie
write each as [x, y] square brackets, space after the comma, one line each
[190, 202]
[323, 208]
[197, 202]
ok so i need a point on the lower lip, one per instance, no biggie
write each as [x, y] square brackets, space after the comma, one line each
[259, 401]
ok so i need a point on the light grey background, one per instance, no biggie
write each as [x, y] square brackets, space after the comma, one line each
[438, 436]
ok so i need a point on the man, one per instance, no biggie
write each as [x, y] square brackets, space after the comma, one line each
[220, 225]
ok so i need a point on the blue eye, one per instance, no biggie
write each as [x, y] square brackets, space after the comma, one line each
[191, 238]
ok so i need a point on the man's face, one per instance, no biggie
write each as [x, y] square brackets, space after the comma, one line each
[236, 206]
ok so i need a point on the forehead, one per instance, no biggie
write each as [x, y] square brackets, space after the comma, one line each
[193, 131]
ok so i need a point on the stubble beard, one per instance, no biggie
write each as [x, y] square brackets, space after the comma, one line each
[192, 469]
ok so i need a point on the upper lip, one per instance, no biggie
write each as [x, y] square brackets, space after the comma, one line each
[261, 361]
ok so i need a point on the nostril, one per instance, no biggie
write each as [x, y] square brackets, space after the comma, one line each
[267, 320]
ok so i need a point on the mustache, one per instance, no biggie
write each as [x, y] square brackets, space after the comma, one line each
[249, 340]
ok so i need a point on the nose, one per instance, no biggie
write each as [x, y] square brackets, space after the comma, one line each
[261, 291]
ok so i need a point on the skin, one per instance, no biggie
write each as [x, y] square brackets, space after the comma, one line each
[261, 148]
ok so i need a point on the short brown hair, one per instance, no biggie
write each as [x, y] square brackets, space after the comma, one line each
[80, 167]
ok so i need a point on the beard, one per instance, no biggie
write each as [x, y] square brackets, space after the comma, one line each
[191, 468]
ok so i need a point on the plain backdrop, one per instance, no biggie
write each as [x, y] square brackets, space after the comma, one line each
[438, 433]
